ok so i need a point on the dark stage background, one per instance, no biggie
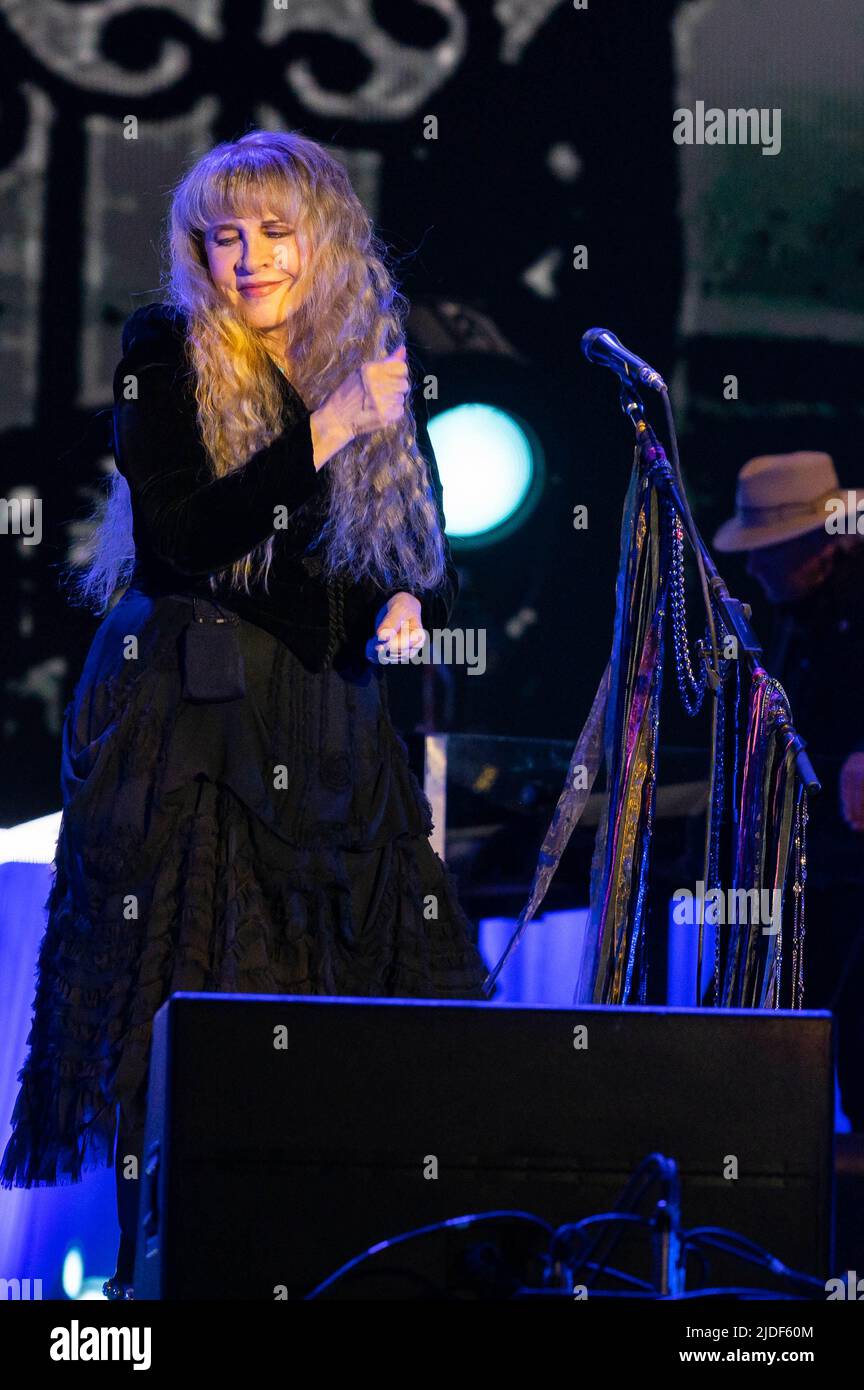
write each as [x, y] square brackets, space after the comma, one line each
[554, 130]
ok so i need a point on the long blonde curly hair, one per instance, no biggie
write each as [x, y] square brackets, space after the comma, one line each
[382, 521]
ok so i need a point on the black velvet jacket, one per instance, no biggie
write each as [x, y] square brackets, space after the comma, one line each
[189, 525]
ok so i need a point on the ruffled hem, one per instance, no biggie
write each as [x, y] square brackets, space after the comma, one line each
[228, 911]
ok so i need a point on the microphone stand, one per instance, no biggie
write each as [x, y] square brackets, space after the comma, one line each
[735, 616]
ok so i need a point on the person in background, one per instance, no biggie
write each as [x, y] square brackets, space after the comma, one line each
[799, 531]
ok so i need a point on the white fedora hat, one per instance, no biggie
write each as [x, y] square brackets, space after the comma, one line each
[779, 497]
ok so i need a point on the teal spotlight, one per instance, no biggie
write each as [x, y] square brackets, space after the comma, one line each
[490, 467]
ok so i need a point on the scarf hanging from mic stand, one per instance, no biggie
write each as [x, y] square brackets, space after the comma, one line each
[621, 853]
[768, 832]
[772, 819]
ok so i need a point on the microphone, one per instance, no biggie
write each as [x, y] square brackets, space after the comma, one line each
[602, 347]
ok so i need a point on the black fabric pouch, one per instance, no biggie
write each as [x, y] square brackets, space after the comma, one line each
[212, 659]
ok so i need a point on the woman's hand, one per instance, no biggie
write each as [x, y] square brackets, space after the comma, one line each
[370, 398]
[398, 631]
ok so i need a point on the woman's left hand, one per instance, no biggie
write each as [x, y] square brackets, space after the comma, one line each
[398, 631]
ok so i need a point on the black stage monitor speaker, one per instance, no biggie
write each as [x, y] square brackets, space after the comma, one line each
[286, 1135]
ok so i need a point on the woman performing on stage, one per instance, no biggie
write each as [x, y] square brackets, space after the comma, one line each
[238, 810]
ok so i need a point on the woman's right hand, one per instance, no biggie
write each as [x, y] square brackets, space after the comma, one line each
[370, 398]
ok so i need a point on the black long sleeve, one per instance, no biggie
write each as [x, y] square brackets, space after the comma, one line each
[184, 517]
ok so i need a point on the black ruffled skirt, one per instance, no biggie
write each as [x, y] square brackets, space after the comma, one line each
[273, 844]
